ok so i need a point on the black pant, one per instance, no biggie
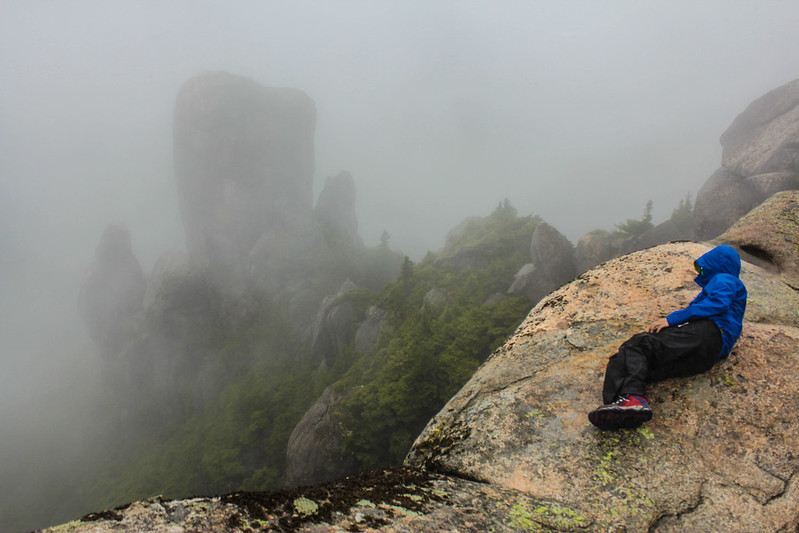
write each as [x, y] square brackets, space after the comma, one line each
[676, 351]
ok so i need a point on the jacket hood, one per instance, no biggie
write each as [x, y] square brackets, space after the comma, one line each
[720, 260]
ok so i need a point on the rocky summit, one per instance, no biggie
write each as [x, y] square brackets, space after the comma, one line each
[514, 451]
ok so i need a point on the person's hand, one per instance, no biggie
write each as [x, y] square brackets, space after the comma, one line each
[657, 325]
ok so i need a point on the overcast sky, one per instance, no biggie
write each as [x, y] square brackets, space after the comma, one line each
[577, 111]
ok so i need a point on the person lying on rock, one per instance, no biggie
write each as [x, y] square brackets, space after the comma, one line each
[684, 343]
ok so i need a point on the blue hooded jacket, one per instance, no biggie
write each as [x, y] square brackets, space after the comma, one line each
[723, 296]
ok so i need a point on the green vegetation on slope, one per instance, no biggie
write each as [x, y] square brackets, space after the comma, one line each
[240, 386]
[238, 440]
[430, 353]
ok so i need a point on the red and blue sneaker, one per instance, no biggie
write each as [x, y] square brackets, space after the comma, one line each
[628, 412]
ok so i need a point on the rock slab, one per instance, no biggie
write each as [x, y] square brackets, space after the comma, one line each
[712, 458]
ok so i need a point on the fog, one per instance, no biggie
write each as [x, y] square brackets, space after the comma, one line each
[579, 112]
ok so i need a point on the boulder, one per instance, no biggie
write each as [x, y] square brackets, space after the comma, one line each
[524, 282]
[435, 300]
[724, 198]
[370, 329]
[335, 326]
[661, 234]
[314, 454]
[595, 248]
[552, 257]
[715, 457]
[765, 185]
[770, 234]
[244, 165]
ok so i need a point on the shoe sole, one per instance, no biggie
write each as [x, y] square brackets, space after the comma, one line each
[609, 419]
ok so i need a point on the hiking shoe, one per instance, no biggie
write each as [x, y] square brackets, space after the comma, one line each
[629, 411]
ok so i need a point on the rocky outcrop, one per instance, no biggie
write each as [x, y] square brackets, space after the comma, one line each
[552, 264]
[244, 163]
[112, 292]
[760, 157]
[520, 422]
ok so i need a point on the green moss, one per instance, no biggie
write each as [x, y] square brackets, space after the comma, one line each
[440, 493]
[537, 414]
[617, 493]
[546, 517]
[305, 507]
[646, 433]
[522, 518]
[603, 471]
[406, 512]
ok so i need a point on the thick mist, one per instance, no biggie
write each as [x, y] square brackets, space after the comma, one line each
[579, 112]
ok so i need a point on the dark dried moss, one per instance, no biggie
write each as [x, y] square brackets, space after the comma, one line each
[114, 514]
[397, 486]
